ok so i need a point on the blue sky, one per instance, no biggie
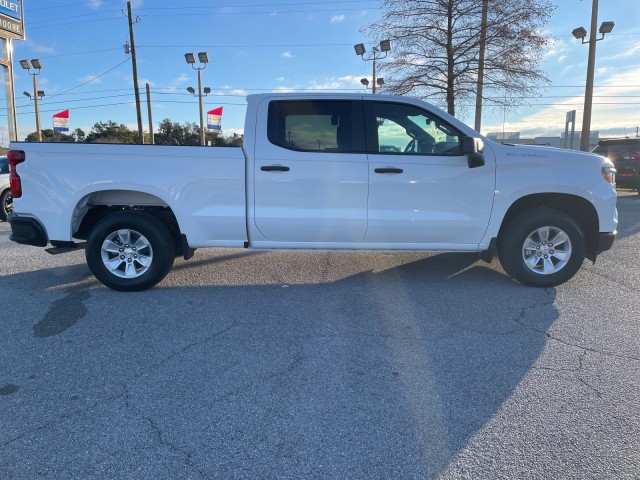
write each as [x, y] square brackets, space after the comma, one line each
[267, 45]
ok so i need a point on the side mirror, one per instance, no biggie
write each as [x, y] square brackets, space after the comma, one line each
[471, 145]
[472, 148]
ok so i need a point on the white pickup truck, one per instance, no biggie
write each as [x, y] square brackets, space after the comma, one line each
[318, 171]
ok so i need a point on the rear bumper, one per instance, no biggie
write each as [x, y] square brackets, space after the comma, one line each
[27, 231]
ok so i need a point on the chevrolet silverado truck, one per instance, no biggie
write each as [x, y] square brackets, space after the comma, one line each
[317, 171]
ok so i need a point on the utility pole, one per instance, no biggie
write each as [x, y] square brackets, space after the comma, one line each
[135, 74]
[483, 44]
[150, 118]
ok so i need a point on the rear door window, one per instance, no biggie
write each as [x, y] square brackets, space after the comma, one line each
[316, 126]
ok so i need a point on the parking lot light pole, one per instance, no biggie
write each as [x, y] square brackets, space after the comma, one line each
[385, 46]
[203, 58]
[36, 66]
[580, 33]
[365, 82]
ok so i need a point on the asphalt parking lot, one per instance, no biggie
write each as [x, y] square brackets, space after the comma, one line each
[328, 365]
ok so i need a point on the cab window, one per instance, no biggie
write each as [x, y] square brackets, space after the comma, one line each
[311, 126]
[404, 129]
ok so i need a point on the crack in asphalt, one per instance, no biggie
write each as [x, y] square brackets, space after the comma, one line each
[121, 396]
[584, 350]
[188, 456]
[524, 312]
[616, 281]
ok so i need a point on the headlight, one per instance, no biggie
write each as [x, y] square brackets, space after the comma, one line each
[609, 174]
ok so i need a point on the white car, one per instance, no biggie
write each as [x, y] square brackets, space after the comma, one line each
[6, 199]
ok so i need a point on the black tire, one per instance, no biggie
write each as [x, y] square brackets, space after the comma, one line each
[530, 258]
[130, 252]
[6, 205]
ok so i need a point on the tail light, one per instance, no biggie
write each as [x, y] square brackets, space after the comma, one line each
[15, 157]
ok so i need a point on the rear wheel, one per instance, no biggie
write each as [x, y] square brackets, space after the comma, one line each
[6, 205]
[130, 251]
[541, 248]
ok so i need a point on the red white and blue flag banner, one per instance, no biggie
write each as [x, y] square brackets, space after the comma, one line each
[61, 121]
[214, 119]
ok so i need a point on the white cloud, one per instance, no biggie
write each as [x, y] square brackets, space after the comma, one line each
[231, 91]
[347, 82]
[610, 116]
[39, 48]
[177, 82]
[287, 54]
[90, 79]
[630, 52]
[143, 81]
[284, 90]
[95, 4]
[337, 18]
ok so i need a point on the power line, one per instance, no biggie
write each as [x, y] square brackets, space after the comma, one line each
[183, 7]
[92, 79]
[51, 23]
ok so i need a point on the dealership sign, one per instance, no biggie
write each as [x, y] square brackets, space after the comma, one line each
[11, 20]
[61, 121]
[214, 118]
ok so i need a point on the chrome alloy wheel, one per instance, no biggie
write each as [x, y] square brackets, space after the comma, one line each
[7, 204]
[546, 250]
[126, 253]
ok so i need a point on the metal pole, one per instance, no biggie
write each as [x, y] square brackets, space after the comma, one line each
[7, 65]
[480, 87]
[200, 102]
[150, 117]
[135, 75]
[374, 69]
[35, 99]
[588, 94]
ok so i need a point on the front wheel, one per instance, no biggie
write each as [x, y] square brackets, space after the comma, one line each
[6, 205]
[541, 248]
[130, 251]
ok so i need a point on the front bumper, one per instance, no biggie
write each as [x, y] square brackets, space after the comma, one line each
[605, 241]
[27, 231]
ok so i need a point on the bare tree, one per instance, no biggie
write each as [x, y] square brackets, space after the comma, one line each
[436, 49]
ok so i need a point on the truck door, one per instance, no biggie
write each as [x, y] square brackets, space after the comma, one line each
[422, 190]
[310, 173]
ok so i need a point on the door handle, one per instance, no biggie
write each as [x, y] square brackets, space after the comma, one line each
[388, 170]
[274, 168]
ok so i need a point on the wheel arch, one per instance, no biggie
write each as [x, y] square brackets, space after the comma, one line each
[578, 208]
[95, 206]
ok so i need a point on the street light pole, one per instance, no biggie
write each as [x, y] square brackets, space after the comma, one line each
[37, 67]
[588, 92]
[580, 33]
[203, 58]
[385, 46]
[202, 139]
[35, 100]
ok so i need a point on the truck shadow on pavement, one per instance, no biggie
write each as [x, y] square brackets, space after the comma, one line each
[380, 374]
